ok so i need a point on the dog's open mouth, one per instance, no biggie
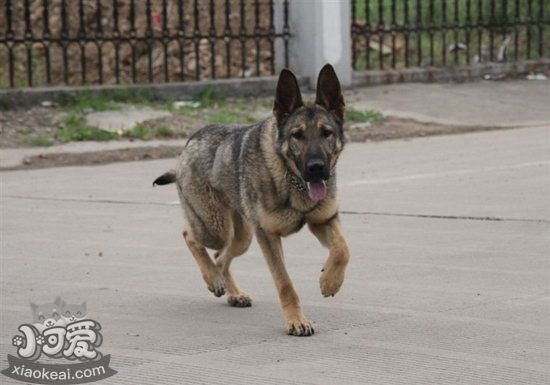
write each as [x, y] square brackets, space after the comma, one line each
[317, 190]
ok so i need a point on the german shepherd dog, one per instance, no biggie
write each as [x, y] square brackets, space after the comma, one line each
[267, 179]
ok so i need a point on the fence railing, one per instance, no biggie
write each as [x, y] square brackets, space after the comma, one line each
[80, 42]
[404, 33]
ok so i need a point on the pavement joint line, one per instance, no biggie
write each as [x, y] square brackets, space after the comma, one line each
[454, 217]
[345, 212]
[447, 173]
[104, 201]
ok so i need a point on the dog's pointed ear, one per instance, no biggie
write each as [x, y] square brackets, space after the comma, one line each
[329, 92]
[287, 97]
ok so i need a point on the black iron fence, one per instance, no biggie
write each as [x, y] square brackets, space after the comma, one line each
[62, 42]
[405, 33]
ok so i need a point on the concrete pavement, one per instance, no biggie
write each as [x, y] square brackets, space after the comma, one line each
[448, 282]
[483, 103]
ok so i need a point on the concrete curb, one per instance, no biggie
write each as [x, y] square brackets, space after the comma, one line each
[13, 157]
[447, 74]
[25, 97]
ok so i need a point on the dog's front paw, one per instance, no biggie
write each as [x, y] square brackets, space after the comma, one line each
[300, 327]
[331, 280]
[216, 284]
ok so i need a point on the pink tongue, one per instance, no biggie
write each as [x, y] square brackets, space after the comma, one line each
[317, 190]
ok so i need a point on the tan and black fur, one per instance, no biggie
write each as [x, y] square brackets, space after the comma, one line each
[238, 181]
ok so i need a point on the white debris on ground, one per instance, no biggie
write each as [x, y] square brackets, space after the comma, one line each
[536, 77]
[186, 103]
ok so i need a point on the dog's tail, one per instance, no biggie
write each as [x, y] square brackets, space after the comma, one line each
[166, 178]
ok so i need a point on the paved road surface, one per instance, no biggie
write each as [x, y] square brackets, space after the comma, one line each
[483, 103]
[448, 284]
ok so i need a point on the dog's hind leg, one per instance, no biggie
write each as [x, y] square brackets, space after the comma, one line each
[242, 236]
[211, 274]
[235, 296]
[207, 225]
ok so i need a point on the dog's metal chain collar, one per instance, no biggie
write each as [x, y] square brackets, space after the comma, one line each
[295, 182]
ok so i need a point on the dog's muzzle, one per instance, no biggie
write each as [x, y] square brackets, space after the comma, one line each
[316, 174]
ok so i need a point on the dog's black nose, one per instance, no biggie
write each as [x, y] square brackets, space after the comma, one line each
[315, 167]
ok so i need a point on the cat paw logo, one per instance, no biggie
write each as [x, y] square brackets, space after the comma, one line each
[59, 330]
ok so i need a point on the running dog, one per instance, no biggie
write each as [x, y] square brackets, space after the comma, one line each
[268, 179]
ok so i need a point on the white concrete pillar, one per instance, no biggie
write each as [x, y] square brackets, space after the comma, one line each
[321, 33]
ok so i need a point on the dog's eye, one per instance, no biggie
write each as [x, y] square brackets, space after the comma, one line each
[298, 135]
[327, 133]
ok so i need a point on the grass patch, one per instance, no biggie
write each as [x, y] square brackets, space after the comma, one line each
[164, 132]
[227, 115]
[216, 110]
[142, 132]
[143, 97]
[38, 141]
[357, 116]
[209, 97]
[137, 132]
[73, 128]
[85, 102]
[137, 96]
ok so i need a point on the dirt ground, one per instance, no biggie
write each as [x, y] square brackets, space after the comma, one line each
[397, 128]
[389, 128]
[31, 123]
